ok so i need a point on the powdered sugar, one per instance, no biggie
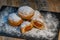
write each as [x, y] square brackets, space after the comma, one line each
[5, 27]
[40, 33]
[37, 14]
[14, 17]
[25, 23]
[49, 31]
[10, 30]
[26, 10]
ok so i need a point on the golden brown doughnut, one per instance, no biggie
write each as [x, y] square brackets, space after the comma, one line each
[37, 20]
[38, 24]
[26, 12]
[26, 26]
[14, 20]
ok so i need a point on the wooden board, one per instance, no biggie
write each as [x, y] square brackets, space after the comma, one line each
[9, 38]
[52, 5]
[59, 36]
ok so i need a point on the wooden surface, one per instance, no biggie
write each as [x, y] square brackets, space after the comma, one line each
[49, 5]
[9, 38]
[54, 5]
[59, 36]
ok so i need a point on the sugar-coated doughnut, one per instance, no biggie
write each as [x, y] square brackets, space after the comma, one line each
[26, 12]
[14, 20]
[37, 20]
[26, 26]
[38, 23]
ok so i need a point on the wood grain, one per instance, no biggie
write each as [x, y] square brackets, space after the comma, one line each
[9, 38]
[59, 36]
[52, 5]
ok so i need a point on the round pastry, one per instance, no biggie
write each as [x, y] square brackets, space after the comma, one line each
[26, 12]
[26, 26]
[14, 20]
[37, 20]
[38, 23]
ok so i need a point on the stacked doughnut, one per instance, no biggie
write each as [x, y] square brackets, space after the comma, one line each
[26, 18]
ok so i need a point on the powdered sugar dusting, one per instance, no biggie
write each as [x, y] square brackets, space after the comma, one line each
[25, 23]
[49, 32]
[26, 10]
[5, 27]
[14, 17]
[37, 17]
[37, 14]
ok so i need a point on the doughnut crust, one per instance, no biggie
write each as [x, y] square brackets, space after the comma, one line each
[14, 20]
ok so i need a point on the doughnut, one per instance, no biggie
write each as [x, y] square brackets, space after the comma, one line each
[14, 20]
[25, 12]
[26, 26]
[38, 23]
[37, 20]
